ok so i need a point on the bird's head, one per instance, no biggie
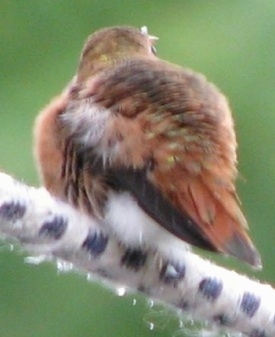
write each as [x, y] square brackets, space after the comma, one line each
[111, 45]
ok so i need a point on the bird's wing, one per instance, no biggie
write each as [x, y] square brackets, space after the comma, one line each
[167, 136]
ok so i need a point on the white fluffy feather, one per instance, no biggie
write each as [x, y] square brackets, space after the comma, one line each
[131, 224]
[88, 120]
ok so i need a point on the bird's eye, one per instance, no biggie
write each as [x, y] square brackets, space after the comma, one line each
[154, 50]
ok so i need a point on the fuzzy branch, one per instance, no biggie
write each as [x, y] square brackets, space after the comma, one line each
[53, 230]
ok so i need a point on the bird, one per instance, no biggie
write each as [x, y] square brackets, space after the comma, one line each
[146, 147]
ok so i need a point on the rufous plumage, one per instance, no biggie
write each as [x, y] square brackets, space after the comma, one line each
[146, 147]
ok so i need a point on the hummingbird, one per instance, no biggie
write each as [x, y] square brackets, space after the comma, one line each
[146, 147]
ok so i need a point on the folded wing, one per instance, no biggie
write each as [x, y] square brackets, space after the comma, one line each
[169, 140]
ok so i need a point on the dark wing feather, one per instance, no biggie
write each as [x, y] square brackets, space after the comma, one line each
[159, 208]
[148, 197]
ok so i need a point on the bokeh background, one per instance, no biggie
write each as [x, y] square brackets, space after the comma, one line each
[231, 42]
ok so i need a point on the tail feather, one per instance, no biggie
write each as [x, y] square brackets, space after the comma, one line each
[218, 214]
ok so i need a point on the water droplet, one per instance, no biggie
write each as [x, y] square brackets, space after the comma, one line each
[10, 247]
[6, 246]
[151, 303]
[191, 322]
[151, 326]
[35, 259]
[121, 291]
[64, 266]
[90, 277]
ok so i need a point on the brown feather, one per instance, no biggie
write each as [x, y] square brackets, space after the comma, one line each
[183, 123]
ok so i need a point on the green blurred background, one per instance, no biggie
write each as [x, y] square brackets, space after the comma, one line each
[231, 42]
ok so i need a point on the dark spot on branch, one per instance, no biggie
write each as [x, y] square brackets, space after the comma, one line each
[210, 288]
[250, 304]
[54, 228]
[171, 273]
[12, 211]
[95, 243]
[134, 258]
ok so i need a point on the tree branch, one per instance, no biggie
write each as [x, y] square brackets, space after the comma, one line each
[54, 231]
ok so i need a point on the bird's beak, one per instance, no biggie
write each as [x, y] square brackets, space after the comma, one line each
[144, 30]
